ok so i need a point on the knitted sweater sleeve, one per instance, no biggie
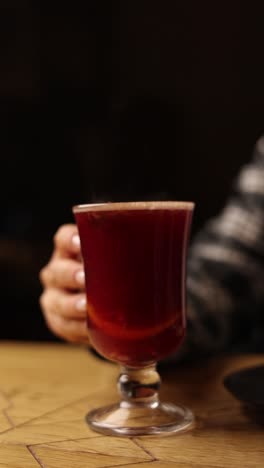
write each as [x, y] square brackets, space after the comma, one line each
[225, 274]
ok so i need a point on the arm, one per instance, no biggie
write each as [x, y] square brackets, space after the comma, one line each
[225, 274]
[226, 268]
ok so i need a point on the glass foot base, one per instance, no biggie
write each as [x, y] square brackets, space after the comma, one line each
[124, 419]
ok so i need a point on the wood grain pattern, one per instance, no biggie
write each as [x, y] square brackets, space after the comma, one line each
[46, 389]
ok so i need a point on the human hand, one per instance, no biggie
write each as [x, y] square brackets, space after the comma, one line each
[63, 300]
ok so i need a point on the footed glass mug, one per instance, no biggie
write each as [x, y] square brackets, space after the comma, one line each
[134, 258]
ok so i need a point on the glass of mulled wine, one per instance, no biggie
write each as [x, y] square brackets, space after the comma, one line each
[134, 258]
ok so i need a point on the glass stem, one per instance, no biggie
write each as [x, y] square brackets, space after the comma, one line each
[139, 386]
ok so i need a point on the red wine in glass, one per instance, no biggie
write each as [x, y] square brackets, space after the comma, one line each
[134, 258]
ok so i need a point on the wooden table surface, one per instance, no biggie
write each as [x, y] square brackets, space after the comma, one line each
[46, 389]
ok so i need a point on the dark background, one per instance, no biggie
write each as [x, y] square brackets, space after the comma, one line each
[117, 100]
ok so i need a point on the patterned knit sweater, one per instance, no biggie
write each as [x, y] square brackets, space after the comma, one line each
[225, 279]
